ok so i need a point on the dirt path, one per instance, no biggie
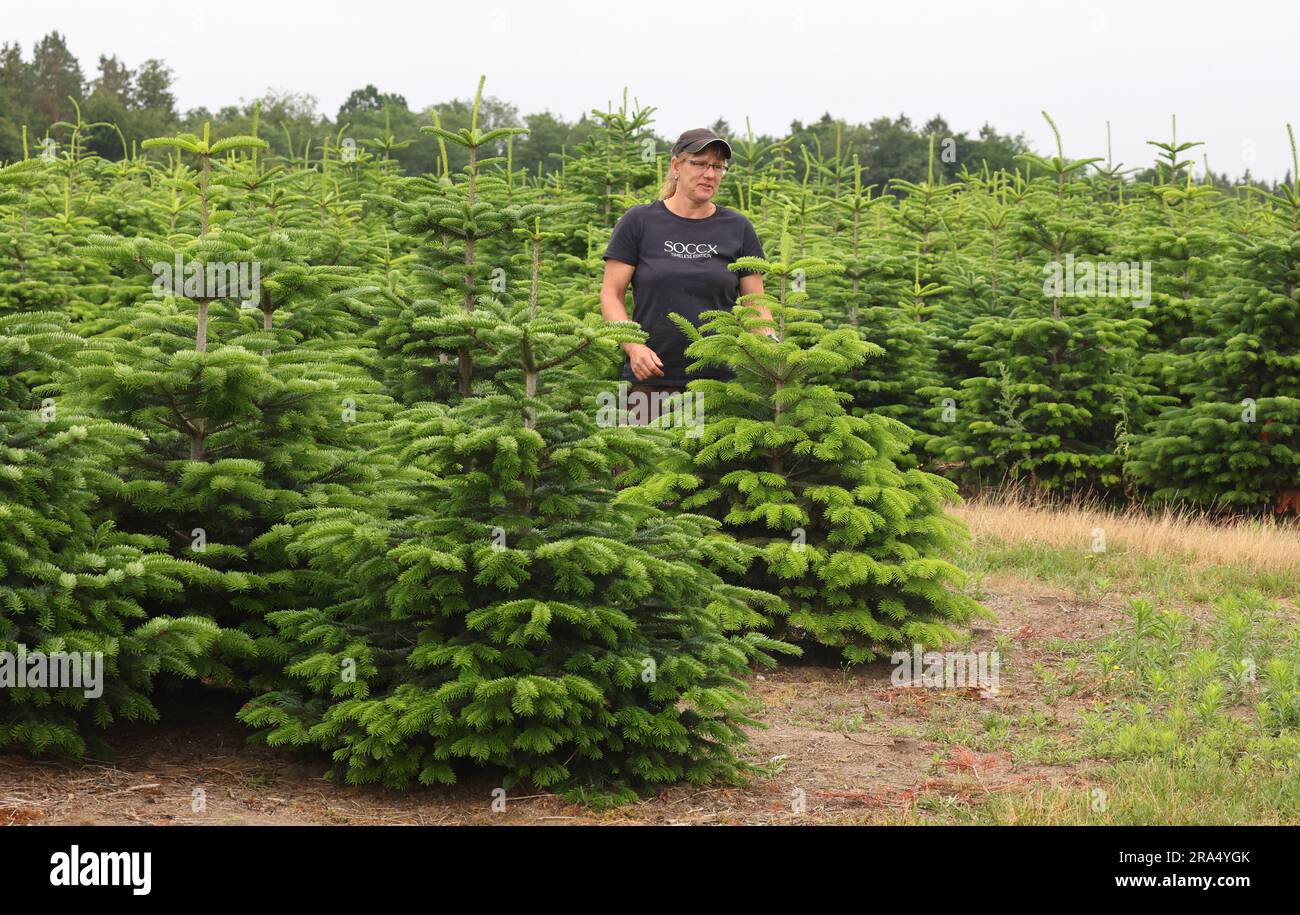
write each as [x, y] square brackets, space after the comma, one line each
[840, 746]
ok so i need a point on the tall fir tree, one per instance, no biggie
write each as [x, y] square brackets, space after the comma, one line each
[71, 583]
[501, 609]
[1234, 442]
[244, 386]
[463, 226]
[1059, 383]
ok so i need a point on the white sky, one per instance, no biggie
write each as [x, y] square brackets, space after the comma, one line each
[1228, 71]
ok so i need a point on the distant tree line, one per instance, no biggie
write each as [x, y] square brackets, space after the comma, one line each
[139, 104]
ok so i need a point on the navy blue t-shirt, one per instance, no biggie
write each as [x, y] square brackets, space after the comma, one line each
[681, 266]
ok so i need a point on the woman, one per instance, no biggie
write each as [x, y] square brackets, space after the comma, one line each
[674, 253]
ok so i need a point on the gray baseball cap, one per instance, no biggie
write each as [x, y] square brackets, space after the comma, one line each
[693, 141]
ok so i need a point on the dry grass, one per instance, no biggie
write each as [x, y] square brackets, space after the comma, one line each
[1266, 545]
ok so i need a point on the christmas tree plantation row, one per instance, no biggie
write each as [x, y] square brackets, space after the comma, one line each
[331, 437]
[1066, 330]
[339, 438]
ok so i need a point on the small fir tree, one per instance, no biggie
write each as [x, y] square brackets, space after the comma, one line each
[854, 545]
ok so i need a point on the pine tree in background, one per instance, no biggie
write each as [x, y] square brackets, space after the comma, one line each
[853, 544]
[899, 383]
[619, 159]
[976, 272]
[921, 219]
[750, 164]
[805, 207]
[879, 292]
[28, 281]
[460, 224]
[872, 274]
[909, 327]
[1058, 384]
[1177, 234]
[1235, 443]
[49, 215]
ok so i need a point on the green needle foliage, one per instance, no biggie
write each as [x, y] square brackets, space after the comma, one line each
[852, 543]
[459, 224]
[501, 610]
[388, 493]
[1059, 384]
[69, 581]
[246, 394]
[1234, 442]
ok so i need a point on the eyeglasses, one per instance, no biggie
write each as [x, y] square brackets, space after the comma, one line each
[700, 163]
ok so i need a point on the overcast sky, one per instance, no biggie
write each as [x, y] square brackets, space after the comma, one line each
[1228, 70]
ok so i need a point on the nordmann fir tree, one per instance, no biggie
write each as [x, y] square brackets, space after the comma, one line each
[71, 584]
[879, 292]
[1235, 441]
[832, 171]
[499, 609]
[241, 413]
[898, 382]
[872, 275]
[922, 217]
[1059, 384]
[804, 206]
[456, 221]
[562, 282]
[1173, 226]
[751, 164]
[908, 326]
[314, 245]
[618, 158]
[30, 277]
[974, 268]
[1177, 236]
[42, 226]
[852, 544]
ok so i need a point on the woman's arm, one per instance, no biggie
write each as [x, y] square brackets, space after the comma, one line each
[613, 293]
[753, 283]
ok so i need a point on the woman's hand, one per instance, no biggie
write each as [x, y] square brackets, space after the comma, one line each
[645, 362]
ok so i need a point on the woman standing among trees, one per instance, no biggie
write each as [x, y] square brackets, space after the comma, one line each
[675, 253]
